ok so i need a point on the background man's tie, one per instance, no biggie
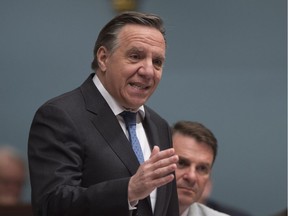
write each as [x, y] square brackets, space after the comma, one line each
[130, 121]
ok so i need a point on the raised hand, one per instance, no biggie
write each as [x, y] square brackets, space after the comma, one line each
[154, 172]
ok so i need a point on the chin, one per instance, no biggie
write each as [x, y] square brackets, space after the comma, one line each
[136, 105]
[187, 200]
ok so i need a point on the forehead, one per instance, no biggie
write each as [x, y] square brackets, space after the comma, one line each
[133, 33]
[190, 148]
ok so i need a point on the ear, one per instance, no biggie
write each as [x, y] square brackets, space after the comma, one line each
[102, 55]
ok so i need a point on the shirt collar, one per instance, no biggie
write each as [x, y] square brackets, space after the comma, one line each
[116, 108]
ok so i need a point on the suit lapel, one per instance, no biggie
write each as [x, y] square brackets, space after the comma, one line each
[109, 127]
[151, 130]
[154, 139]
[107, 124]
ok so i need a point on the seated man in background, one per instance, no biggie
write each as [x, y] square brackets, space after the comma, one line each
[196, 148]
[12, 176]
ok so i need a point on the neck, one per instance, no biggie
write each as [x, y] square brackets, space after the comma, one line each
[182, 209]
[130, 109]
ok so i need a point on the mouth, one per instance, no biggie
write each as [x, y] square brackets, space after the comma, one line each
[187, 189]
[139, 86]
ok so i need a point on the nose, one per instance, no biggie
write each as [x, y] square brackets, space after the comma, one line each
[147, 69]
[190, 174]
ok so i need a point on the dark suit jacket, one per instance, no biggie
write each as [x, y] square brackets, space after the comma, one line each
[80, 160]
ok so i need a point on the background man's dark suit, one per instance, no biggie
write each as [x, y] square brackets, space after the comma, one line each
[80, 141]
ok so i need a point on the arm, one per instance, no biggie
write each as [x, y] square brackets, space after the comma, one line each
[57, 160]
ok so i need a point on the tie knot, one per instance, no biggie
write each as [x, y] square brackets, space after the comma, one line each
[129, 117]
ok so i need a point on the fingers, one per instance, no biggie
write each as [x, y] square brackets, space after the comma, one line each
[163, 180]
[159, 168]
[160, 164]
[140, 187]
[154, 172]
[165, 159]
[157, 155]
[155, 150]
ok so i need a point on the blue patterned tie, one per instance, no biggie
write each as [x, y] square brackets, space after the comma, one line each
[130, 121]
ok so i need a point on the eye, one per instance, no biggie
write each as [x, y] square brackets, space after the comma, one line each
[181, 164]
[134, 56]
[203, 170]
[158, 63]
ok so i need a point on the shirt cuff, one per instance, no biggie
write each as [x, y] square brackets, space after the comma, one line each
[132, 205]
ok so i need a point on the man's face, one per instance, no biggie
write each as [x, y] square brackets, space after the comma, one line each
[193, 169]
[133, 70]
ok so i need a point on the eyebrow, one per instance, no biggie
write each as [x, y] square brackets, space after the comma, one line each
[187, 161]
[136, 49]
[184, 159]
[140, 49]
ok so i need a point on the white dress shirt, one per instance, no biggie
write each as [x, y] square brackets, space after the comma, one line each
[201, 210]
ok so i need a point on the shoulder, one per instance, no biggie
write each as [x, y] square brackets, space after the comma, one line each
[226, 208]
[67, 102]
[74, 97]
[200, 209]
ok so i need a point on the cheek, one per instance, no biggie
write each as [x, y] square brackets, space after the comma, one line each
[202, 183]
[158, 76]
[179, 174]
